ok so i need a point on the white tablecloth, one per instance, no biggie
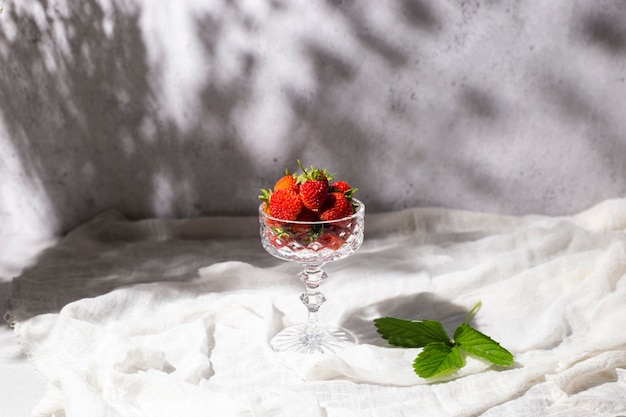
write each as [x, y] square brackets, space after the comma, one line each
[173, 317]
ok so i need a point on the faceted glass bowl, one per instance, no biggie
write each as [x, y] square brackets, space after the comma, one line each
[312, 242]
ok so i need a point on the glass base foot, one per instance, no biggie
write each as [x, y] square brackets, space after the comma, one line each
[327, 340]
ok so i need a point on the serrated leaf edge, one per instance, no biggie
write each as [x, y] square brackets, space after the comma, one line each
[496, 354]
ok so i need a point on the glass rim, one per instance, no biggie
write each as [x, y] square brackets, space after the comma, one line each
[360, 210]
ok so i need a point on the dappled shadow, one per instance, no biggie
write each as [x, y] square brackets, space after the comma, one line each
[105, 112]
[185, 110]
[607, 31]
[87, 121]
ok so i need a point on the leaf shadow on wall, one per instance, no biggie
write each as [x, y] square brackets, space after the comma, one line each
[87, 124]
[92, 126]
[90, 123]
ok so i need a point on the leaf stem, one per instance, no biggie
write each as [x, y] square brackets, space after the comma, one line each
[473, 311]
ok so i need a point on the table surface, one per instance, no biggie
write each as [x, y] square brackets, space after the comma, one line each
[162, 316]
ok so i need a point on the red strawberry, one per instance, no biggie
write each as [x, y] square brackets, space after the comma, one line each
[313, 187]
[336, 206]
[285, 205]
[343, 187]
[287, 182]
[313, 193]
[307, 215]
[340, 186]
[330, 241]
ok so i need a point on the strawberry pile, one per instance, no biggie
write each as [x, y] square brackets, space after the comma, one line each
[311, 196]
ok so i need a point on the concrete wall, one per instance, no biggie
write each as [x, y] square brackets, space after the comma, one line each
[188, 107]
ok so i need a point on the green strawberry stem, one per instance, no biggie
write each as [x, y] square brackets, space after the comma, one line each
[473, 311]
[312, 174]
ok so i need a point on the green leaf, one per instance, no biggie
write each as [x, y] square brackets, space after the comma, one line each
[410, 333]
[438, 358]
[476, 343]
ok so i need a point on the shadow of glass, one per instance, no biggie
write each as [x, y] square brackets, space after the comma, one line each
[421, 306]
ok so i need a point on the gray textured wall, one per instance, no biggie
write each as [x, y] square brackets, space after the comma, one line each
[187, 107]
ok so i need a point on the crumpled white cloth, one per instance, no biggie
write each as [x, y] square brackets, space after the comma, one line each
[165, 317]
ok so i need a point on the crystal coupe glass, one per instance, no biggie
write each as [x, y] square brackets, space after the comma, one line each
[312, 245]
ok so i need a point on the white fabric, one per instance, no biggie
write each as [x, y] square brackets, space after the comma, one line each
[162, 318]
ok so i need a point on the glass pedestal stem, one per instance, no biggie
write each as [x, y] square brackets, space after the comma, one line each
[310, 337]
[312, 275]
